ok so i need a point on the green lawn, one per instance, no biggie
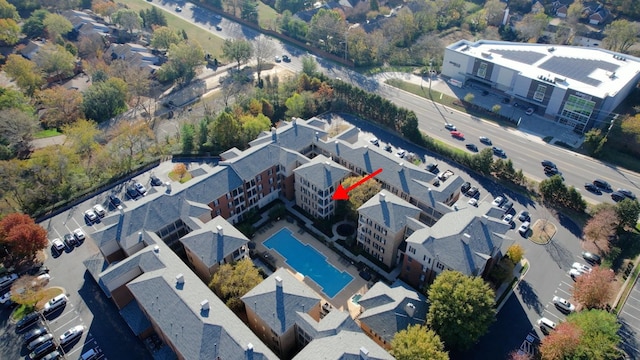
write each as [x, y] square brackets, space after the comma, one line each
[211, 43]
[46, 133]
[267, 16]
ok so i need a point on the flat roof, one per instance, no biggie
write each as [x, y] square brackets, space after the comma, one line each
[591, 70]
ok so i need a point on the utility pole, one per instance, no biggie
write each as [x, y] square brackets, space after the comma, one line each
[430, 64]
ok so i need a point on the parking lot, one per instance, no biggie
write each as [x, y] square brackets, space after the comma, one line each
[629, 318]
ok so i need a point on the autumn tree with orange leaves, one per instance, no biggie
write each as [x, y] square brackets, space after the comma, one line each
[561, 343]
[21, 236]
[593, 290]
[601, 227]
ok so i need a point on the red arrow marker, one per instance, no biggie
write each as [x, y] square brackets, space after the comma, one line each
[342, 193]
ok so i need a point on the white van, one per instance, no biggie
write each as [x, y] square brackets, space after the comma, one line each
[89, 355]
[546, 324]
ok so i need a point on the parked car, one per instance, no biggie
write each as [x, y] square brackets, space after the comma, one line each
[43, 279]
[497, 201]
[8, 280]
[574, 273]
[155, 181]
[508, 219]
[140, 188]
[616, 196]
[42, 350]
[546, 325]
[38, 270]
[218, 27]
[79, 234]
[178, 8]
[71, 334]
[54, 355]
[132, 192]
[485, 140]
[91, 215]
[602, 184]
[498, 152]
[563, 305]
[400, 153]
[473, 192]
[457, 135]
[55, 303]
[507, 205]
[278, 59]
[473, 202]
[465, 187]
[5, 299]
[27, 320]
[472, 147]
[591, 187]
[432, 167]
[548, 163]
[591, 257]
[387, 148]
[286, 58]
[99, 210]
[450, 127]
[627, 193]
[39, 341]
[32, 334]
[581, 267]
[529, 111]
[114, 200]
[524, 215]
[524, 227]
[58, 244]
[70, 240]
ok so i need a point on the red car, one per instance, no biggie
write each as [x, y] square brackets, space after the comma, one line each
[457, 134]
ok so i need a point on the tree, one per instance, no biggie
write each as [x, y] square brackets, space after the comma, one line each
[153, 17]
[130, 142]
[14, 99]
[55, 61]
[163, 37]
[16, 132]
[238, 50]
[417, 342]
[296, 105]
[104, 7]
[128, 19]
[600, 227]
[309, 66]
[232, 281]
[25, 73]
[105, 99]
[81, 137]
[138, 82]
[327, 30]
[593, 289]
[515, 253]
[263, 51]
[225, 132]
[22, 236]
[61, 106]
[462, 308]
[620, 35]
[249, 11]
[56, 25]
[494, 12]
[33, 27]
[591, 334]
[359, 195]
[90, 46]
[8, 11]
[532, 25]
[469, 97]
[180, 169]
[628, 212]
[184, 61]
[9, 31]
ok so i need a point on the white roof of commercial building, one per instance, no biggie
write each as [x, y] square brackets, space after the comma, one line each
[590, 70]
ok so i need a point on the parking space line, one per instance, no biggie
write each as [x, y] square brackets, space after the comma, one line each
[566, 292]
[626, 333]
[634, 298]
[552, 314]
[568, 284]
[628, 313]
[631, 346]
[65, 324]
[631, 306]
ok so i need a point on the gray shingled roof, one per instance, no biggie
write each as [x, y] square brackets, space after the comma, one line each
[344, 346]
[322, 172]
[210, 245]
[176, 310]
[463, 240]
[391, 213]
[385, 308]
[213, 186]
[140, 263]
[334, 322]
[295, 136]
[278, 310]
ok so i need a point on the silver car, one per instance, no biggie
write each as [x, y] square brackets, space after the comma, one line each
[563, 305]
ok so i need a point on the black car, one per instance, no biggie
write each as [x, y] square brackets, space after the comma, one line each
[432, 167]
[472, 147]
[594, 189]
[473, 191]
[387, 148]
[507, 205]
[591, 257]
[32, 334]
[627, 193]
[70, 240]
[524, 216]
[286, 58]
[602, 184]
[485, 140]
[550, 171]
[27, 321]
[42, 350]
[498, 151]
[617, 196]
[132, 192]
[38, 270]
[465, 187]
[547, 163]
[114, 200]
[218, 27]
[155, 181]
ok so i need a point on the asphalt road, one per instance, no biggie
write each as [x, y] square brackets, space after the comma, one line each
[629, 318]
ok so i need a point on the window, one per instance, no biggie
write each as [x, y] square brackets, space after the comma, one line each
[539, 94]
[578, 109]
[482, 70]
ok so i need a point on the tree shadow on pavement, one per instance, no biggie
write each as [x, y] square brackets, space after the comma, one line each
[559, 254]
[629, 341]
[567, 223]
[530, 297]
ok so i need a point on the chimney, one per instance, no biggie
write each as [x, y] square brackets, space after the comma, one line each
[156, 249]
[294, 122]
[249, 351]
[317, 136]
[278, 282]
[382, 196]
[139, 236]
[274, 135]
[337, 148]
[364, 353]
[401, 164]
[220, 231]
[204, 305]
[410, 309]
[180, 279]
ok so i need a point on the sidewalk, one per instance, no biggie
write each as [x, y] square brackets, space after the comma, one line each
[508, 287]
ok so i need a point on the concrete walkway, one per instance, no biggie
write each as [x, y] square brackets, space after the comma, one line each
[505, 287]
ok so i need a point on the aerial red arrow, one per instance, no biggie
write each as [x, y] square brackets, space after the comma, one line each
[342, 193]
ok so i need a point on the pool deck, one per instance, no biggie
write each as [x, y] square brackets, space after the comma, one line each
[342, 298]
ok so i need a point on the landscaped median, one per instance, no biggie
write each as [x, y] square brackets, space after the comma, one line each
[542, 232]
[626, 289]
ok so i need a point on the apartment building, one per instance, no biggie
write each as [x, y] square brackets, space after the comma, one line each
[315, 183]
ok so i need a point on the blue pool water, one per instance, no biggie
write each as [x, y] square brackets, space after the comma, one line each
[306, 260]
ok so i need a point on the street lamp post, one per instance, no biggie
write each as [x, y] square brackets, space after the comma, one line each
[430, 64]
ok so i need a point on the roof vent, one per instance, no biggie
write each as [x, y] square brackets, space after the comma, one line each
[382, 197]
[220, 231]
[551, 49]
[410, 309]
[204, 305]
[486, 54]
[180, 278]
[156, 249]
[278, 281]
[364, 353]
[249, 351]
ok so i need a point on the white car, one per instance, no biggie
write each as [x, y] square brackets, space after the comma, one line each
[473, 202]
[141, 189]
[497, 201]
[43, 279]
[71, 334]
[375, 141]
[99, 210]
[581, 267]
[57, 244]
[278, 59]
[563, 305]
[91, 215]
[508, 219]
[401, 153]
[574, 273]
[55, 303]
[79, 234]
[6, 298]
[524, 227]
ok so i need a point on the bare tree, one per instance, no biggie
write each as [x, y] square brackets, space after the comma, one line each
[263, 50]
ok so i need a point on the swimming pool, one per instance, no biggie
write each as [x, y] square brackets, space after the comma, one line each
[306, 260]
